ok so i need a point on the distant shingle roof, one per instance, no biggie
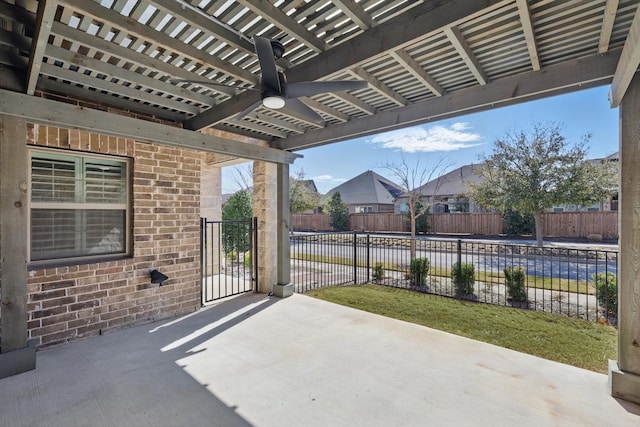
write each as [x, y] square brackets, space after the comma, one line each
[452, 183]
[368, 187]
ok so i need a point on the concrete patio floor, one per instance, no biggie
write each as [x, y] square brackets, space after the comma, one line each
[261, 361]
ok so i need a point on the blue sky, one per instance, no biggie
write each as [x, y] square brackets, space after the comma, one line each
[459, 141]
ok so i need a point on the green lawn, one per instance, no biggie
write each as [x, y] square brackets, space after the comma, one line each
[576, 342]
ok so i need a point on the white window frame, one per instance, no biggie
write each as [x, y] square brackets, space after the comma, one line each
[363, 209]
[79, 206]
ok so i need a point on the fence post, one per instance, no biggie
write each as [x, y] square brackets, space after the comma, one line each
[355, 258]
[368, 260]
[459, 266]
[203, 257]
[254, 255]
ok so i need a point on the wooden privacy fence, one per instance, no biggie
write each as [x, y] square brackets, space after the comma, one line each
[556, 224]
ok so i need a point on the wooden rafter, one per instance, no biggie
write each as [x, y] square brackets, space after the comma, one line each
[46, 11]
[464, 50]
[609, 18]
[629, 61]
[529, 35]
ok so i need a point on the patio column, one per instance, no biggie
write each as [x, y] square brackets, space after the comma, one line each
[283, 288]
[624, 375]
[211, 208]
[265, 209]
[15, 355]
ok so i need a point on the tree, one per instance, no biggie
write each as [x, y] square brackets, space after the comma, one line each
[338, 211]
[236, 235]
[422, 220]
[301, 196]
[243, 176]
[412, 179]
[534, 171]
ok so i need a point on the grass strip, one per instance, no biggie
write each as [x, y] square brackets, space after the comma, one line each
[575, 342]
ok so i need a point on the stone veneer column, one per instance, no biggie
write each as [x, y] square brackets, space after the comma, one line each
[283, 288]
[265, 209]
[211, 209]
[624, 375]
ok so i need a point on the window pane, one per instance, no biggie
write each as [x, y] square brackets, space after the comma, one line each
[53, 180]
[105, 232]
[53, 233]
[62, 233]
[105, 182]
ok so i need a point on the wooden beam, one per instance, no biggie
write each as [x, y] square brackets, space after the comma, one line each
[575, 75]
[13, 229]
[464, 50]
[46, 12]
[379, 87]
[81, 93]
[418, 23]
[609, 18]
[338, 115]
[198, 18]
[223, 111]
[268, 11]
[121, 74]
[70, 116]
[283, 124]
[529, 34]
[256, 127]
[412, 66]
[625, 379]
[128, 55]
[355, 102]
[629, 61]
[116, 89]
[131, 27]
[356, 13]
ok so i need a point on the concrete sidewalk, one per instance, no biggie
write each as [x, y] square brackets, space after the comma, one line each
[255, 360]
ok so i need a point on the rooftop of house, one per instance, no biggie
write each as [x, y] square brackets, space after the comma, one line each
[368, 187]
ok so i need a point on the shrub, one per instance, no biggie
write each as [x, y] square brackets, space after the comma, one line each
[517, 224]
[607, 292]
[247, 259]
[338, 212]
[418, 271]
[515, 279]
[594, 237]
[235, 232]
[378, 271]
[464, 276]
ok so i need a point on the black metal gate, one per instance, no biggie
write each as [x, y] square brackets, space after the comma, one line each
[228, 258]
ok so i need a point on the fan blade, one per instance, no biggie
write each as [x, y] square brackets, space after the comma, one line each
[301, 109]
[267, 63]
[248, 109]
[296, 90]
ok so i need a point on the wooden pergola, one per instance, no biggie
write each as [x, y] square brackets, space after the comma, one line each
[423, 61]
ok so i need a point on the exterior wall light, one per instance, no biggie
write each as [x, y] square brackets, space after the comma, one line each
[157, 277]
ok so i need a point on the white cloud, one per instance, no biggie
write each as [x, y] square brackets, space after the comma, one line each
[327, 178]
[429, 139]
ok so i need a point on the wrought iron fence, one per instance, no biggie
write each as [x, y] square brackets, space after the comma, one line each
[228, 258]
[576, 282]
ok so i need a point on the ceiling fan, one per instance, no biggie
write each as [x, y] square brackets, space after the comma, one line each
[276, 92]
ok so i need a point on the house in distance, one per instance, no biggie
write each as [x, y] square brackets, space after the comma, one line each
[368, 192]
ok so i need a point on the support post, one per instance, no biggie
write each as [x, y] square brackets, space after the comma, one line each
[265, 209]
[283, 288]
[15, 355]
[624, 375]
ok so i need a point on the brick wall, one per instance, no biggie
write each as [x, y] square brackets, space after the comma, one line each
[66, 303]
